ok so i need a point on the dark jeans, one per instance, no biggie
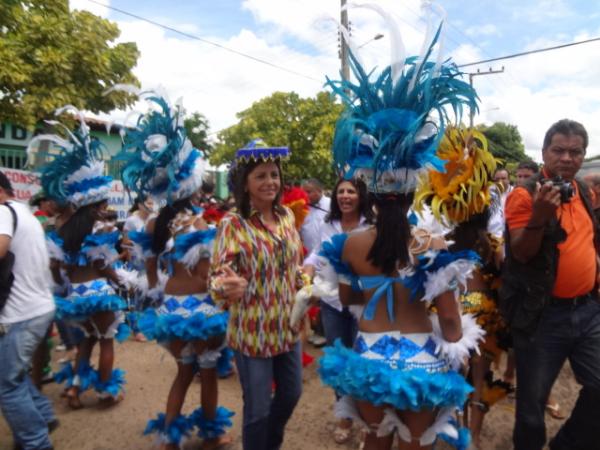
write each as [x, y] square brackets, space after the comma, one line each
[564, 331]
[338, 325]
[265, 414]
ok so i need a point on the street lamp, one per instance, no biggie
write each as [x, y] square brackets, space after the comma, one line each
[374, 38]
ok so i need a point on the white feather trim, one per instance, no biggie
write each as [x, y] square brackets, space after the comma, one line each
[301, 303]
[127, 278]
[91, 196]
[54, 250]
[442, 424]
[390, 423]
[458, 352]
[104, 253]
[94, 170]
[48, 137]
[454, 276]
[195, 254]
[345, 408]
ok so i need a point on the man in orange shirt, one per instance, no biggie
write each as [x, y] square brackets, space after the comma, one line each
[549, 294]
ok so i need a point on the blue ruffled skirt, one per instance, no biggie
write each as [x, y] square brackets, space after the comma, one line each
[186, 317]
[86, 299]
[394, 369]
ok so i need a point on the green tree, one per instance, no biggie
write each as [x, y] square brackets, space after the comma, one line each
[305, 125]
[196, 127]
[505, 142]
[52, 57]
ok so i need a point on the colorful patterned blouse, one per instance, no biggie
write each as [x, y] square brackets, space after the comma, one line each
[259, 324]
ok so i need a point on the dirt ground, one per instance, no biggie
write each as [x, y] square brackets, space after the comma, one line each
[150, 371]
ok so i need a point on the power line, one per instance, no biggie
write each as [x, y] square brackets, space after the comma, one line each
[206, 41]
[530, 52]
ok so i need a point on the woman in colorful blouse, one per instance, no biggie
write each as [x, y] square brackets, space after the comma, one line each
[257, 257]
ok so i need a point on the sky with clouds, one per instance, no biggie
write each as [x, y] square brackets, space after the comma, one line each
[301, 39]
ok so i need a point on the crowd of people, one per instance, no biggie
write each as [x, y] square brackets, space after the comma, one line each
[426, 265]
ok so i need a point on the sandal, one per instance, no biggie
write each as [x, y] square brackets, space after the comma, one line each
[341, 435]
[554, 410]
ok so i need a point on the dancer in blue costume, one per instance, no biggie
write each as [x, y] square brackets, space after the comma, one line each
[83, 251]
[163, 165]
[401, 377]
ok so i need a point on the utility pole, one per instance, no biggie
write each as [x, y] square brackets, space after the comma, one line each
[343, 43]
[475, 74]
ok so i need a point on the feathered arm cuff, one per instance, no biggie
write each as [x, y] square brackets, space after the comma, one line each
[141, 244]
[192, 247]
[55, 246]
[439, 271]
[101, 247]
[457, 352]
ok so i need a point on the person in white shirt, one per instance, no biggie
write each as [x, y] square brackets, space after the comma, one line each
[318, 208]
[350, 211]
[24, 320]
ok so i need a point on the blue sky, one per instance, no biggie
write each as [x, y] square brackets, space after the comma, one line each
[300, 35]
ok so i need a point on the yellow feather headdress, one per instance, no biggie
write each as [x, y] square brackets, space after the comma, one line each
[464, 189]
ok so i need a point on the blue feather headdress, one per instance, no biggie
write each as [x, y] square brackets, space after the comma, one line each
[76, 174]
[161, 162]
[393, 123]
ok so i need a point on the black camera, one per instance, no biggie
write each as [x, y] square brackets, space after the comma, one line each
[567, 191]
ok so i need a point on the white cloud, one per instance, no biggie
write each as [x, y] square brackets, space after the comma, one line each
[488, 29]
[94, 8]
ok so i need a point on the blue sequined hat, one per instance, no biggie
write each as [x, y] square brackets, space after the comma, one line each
[76, 174]
[394, 121]
[257, 150]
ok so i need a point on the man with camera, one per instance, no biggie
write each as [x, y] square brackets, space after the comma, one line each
[26, 311]
[549, 293]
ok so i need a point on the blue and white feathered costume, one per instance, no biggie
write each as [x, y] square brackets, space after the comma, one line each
[161, 163]
[387, 135]
[76, 176]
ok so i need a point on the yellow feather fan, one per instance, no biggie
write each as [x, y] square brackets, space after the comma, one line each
[464, 189]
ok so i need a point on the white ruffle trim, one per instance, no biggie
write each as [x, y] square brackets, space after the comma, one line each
[458, 352]
[454, 277]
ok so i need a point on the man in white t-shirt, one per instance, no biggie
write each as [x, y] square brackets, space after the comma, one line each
[24, 320]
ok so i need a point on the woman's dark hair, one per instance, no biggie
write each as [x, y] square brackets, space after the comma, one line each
[472, 235]
[162, 233]
[393, 231]
[364, 205]
[242, 196]
[79, 225]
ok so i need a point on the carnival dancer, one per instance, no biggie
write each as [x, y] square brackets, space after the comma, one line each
[256, 269]
[162, 164]
[84, 247]
[463, 198]
[350, 211]
[401, 375]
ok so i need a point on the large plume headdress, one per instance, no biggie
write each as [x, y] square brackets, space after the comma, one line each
[467, 186]
[393, 122]
[76, 174]
[161, 161]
